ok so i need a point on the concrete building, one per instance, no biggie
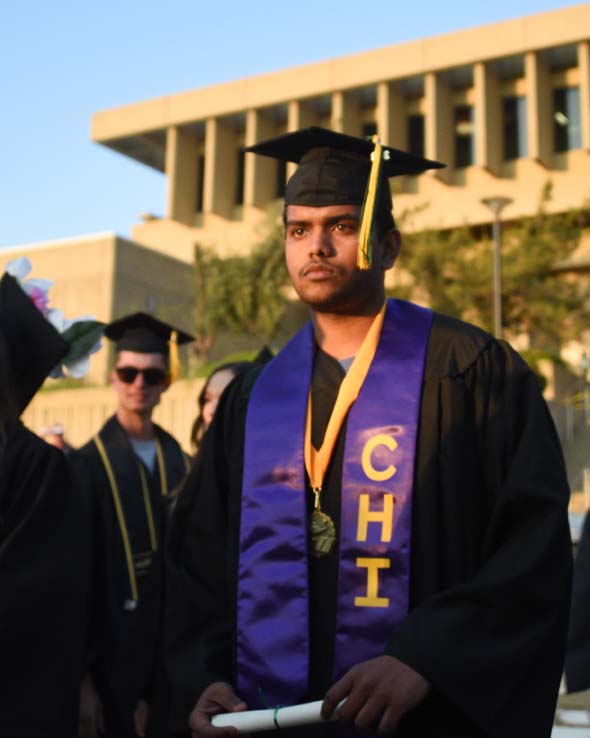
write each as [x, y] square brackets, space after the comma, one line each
[108, 276]
[506, 106]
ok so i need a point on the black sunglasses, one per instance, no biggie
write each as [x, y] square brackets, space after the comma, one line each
[151, 377]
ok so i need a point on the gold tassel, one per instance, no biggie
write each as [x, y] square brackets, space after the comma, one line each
[173, 356]
[364, 256]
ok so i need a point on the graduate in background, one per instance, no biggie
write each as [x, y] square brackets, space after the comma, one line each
[214, 386]
[380, 514]
[132, 466]
[45, 538]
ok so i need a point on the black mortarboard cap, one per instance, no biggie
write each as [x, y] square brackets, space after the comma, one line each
[336, 169]
[144, 334]
[34, 346]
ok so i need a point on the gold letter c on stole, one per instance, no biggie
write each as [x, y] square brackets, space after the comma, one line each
[374, 474]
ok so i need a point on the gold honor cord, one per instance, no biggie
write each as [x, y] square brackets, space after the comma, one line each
[148, 508]
[146, 500]
[162, 468]
[120, 517]
[364, 255]
[322, 530]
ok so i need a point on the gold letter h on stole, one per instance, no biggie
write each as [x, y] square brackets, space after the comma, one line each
[366, 516]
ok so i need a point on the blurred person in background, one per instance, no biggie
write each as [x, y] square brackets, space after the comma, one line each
[214, 387]
[132, 466]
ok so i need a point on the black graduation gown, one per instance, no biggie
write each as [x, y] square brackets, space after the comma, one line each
[490, 554]
[45, 539]
[124, 643]
[577, 662]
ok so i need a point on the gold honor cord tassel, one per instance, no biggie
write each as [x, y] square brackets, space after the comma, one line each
[365, 255]
[322, 531]
[173, 354]
[132, 603]
[162, 468]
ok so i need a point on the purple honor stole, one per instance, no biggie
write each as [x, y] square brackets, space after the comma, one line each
[376, 511]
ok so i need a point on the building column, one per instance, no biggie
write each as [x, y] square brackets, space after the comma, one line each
[539, 118]
[345, 114]
[181, 173]
[488, 119]
[584, 72]
[391, 116]
[299, 115]
[439, 125]
[260, 172]
[220, 168]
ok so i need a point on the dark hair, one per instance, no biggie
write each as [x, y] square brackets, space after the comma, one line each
[198, 429]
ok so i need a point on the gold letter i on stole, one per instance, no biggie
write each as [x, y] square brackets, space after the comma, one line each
[372, 599]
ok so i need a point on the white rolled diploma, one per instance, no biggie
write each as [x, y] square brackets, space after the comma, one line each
[253, 721]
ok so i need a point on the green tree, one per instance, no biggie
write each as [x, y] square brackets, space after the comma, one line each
[453, 272]
[241, 294]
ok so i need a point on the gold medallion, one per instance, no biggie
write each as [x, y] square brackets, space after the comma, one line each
[322, 533]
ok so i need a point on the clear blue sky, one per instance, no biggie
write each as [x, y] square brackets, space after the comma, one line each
[62, 61]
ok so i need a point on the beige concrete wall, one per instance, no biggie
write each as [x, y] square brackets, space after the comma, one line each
[83, 411]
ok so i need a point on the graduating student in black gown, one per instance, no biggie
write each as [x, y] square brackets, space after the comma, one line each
[131, 467]
[480, 653]
[44, 541]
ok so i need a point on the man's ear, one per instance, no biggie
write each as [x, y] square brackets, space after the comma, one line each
[391, 247]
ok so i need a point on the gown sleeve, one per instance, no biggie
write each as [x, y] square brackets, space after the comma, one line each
[491, 640]
[44, 573]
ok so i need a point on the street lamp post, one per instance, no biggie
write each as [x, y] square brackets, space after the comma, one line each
[496, 205]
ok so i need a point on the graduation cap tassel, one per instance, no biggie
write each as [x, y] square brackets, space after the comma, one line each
[173, 360]
[365, 247]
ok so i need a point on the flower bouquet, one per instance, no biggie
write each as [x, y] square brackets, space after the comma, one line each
[83, 334]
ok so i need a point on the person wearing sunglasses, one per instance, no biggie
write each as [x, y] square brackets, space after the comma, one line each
[133, 465]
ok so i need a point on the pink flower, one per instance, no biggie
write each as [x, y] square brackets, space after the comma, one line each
[39, 299]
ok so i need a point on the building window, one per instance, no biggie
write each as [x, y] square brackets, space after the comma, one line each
[200, 183]
[567, 132]
[464, 138]
[369, 129]
[416, 134]
[514, 127]
[239, 191]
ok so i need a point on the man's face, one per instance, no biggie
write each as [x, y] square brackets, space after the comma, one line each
[321, 252]
[139, 395]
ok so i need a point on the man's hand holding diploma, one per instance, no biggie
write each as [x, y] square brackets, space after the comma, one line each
[378, 693]
[217, 698]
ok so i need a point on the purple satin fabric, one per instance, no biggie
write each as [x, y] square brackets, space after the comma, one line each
[388, 404]
[273, 608]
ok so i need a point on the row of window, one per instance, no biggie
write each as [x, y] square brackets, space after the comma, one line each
[567, 132]
[566, 136]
